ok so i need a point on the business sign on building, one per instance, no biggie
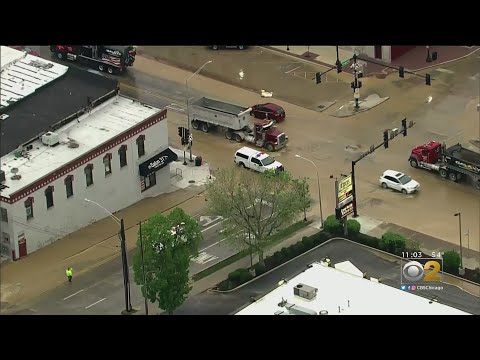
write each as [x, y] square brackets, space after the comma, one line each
[345, 191]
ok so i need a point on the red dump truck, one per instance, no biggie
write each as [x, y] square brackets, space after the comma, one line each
[237, 123]
[454, 163]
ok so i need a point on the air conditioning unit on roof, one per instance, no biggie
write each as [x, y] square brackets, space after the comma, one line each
[50, 139]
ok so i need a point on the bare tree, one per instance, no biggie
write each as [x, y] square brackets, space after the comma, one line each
[256, 205]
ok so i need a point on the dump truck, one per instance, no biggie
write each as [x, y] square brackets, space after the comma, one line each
[235, 121]
[454, 163]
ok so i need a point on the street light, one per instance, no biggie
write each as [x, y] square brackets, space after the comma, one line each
[188, 99]
[126, 280]
[459, 214]
[318, 183]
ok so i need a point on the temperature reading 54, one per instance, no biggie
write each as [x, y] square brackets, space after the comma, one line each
[438, 254]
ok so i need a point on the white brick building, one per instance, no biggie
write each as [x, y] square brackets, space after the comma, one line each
[109, 149]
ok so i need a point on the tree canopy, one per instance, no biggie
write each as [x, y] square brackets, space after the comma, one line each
[256, 205]
[169, 242]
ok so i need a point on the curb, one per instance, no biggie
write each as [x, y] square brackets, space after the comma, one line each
[113, 256]
[265, 273]
[351, 241]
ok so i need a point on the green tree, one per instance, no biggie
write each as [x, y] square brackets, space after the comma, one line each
[451, 261]
[332, 225]
[169, 242]
[393, 243]
[256, 205]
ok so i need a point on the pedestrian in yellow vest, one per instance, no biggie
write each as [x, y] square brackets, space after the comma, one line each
[69, 274]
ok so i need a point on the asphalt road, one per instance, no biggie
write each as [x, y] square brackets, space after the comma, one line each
[101, 291]
[375, 264]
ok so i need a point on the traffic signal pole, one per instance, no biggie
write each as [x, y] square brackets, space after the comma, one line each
[386, 138]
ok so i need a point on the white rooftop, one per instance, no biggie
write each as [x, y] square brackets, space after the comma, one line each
[353, 294]
[22, 74]
[104, 122]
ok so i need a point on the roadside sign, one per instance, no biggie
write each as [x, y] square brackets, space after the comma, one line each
[344, 211]
[346, 62]
[345, 189]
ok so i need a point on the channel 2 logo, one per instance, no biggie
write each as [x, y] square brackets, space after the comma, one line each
[413, 271]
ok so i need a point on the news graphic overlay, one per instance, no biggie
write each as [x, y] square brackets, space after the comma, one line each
[419, 271]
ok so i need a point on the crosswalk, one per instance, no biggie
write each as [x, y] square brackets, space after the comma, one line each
[204, 258]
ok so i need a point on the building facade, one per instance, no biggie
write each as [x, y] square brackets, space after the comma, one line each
[115, 156]
[384, 53]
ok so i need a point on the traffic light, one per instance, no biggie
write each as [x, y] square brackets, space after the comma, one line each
[401, 71]
[427, 79]
[186, 134]
[180, 131]
[385, 139]
[352, 85]
[404, 127]
[339, 67]
[318, 77]
[359, 84]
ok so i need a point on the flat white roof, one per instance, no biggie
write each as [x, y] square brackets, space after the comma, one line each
[104, 122]
[22, 74]
[354, 295]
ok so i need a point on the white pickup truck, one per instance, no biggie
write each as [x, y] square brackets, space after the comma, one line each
[256, 160]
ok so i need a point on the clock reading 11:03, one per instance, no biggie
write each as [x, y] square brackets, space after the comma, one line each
[413, 254]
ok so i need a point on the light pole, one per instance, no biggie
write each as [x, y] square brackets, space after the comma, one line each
[188, 100]
[121, 235]
[318, 183]
[459, 214]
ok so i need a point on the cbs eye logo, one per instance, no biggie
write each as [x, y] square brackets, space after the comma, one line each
[413, 271]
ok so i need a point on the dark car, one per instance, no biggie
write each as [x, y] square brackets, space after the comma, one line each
[268, 111]
[217, 47]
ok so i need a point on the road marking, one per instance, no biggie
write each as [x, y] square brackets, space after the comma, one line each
[78, 292]
[220, 241]
[289, 71]
[446, 71]
[95, 303]
[208, 228]
[203, 258]
[209, 220]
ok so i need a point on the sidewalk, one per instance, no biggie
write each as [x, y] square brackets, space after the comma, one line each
[89, 247]
[428, 244]
[413, 60]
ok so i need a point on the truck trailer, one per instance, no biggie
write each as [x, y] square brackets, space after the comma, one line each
[112, 59]
[455, 163]
[236, 122]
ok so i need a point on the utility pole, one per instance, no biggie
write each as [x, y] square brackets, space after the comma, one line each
[126, 277]
[145, 285]
[429, 57]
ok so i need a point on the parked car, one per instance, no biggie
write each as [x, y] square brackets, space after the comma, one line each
[256, 160]
[269, 111]
[398, 181]
[238, 47]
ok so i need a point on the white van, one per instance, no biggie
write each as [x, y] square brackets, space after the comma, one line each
[256, 160]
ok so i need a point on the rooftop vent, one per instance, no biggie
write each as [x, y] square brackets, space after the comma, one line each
[3, 116]
[298, 310]
[50, 139]
[305, 291]
[14, 171]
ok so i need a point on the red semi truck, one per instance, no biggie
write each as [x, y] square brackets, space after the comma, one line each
[454, 163]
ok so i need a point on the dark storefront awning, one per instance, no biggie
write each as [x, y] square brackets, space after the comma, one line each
[157, 162]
